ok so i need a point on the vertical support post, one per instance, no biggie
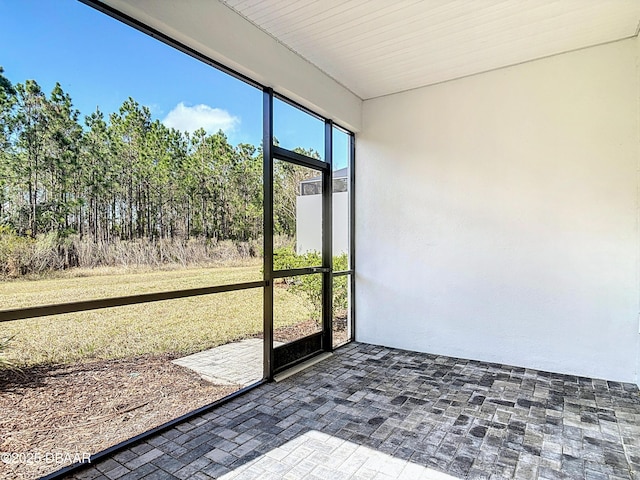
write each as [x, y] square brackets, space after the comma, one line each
[327, 240]
[267, 202]
[352, 231]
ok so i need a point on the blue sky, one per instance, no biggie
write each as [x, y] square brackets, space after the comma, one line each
[101, 62]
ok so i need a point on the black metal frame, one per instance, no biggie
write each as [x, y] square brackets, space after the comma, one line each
[352, 231]
[294, 272]
[350, 272]
[269, 153]
[267, 231]
[298, 351]
[327, 239]
[290, 156]
[293, 353]
[342, 273]
[85, 305]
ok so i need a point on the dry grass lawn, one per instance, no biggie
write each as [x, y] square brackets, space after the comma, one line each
[180, 326]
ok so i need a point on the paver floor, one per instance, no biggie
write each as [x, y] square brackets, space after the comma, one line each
[378, 413]
[235, 363]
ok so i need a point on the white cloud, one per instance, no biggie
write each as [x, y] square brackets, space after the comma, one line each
[190, 119]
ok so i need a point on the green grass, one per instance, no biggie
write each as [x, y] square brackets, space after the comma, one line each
[180, 326]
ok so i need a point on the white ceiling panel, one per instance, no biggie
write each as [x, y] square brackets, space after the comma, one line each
[379, 47]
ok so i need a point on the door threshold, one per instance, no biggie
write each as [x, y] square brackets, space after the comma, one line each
[302, 366]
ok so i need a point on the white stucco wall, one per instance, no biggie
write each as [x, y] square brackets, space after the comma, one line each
[638, 103]
[309, 223]
[497, 216]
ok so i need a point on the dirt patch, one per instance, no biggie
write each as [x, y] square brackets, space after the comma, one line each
[340, 332]
[302, 329]
[88, 407]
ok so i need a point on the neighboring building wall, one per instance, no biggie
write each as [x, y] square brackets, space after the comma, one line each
[497, 216]
[309, 223]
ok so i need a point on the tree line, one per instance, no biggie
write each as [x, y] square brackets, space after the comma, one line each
[126, 176]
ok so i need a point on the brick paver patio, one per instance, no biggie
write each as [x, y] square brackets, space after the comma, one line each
[235, 363]
[377, 413]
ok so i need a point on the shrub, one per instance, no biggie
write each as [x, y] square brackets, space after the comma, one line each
[310, 286]
[14, 252]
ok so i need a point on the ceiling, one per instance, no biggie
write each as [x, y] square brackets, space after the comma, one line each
[380, 47]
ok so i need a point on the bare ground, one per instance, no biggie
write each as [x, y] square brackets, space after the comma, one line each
[87, 407]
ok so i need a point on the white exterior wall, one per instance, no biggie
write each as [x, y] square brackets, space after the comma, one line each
[638, 103]
[309, 223]
[497, 216]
